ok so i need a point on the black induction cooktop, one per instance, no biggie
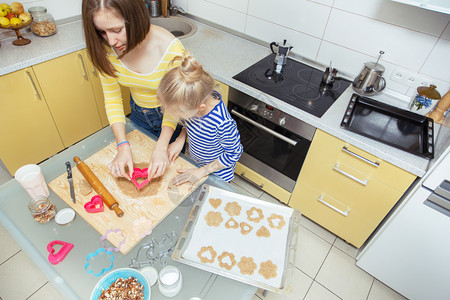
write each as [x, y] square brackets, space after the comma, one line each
[297, 84]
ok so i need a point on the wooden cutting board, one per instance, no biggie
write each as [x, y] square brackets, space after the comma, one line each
[153, 202]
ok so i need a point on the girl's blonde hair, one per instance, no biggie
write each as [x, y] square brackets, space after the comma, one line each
[187, 84]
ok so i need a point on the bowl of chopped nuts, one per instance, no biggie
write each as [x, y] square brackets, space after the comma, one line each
[124, 283]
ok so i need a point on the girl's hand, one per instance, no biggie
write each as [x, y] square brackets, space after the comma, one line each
[123, 160]
[174, 149]
[188, 175]
[158, 163]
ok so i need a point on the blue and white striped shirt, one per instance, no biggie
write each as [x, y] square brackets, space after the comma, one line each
[213, 136]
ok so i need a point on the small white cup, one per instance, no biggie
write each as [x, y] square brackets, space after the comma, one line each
[32, 180]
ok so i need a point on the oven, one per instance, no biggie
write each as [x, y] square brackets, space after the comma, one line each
[275, 143]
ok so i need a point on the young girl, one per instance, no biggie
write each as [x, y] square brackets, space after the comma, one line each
[187, 92]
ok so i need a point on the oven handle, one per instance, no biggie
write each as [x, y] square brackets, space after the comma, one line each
[268, 130]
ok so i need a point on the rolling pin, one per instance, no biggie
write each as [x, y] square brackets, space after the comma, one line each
[441, 108]
[107, 198]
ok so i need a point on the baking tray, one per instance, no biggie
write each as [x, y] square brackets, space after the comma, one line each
[282, 247]
[390, 125]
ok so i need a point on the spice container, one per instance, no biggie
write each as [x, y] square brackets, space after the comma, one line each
[42, 209]
[170, 281]
[425, 99]
[43, 22]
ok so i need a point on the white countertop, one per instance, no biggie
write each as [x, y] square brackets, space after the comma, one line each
[223, 55]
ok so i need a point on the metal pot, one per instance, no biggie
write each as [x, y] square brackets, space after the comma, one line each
[370, 81]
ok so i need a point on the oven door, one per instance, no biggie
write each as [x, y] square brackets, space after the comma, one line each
[270, 149]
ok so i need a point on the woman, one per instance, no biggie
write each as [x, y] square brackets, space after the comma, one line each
[128, 51]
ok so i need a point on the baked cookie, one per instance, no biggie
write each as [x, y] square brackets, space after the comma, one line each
[263, 232]
[207, 255]
[227, 265]
[245, 228]
[268, 269]
[276, 221]
[255, 214]
[215, 202]
[233, 208]
[247, 266]
[213, 218]
[231, 223]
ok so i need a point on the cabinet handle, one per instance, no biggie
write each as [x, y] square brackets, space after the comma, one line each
[363, 182]
[344, 213]
[375, 164]
[251, 182]
[34, 85]
[84, 67]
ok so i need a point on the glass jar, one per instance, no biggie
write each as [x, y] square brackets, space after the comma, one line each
[43, 22]
[170, 281]
[42, 209]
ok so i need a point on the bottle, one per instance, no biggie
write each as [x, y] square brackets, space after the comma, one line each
[170, 281]
[43, 22]
[42, 209]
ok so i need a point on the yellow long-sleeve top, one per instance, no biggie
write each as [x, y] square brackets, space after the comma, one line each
[142, 86]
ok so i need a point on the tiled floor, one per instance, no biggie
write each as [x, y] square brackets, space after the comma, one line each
[325, 268]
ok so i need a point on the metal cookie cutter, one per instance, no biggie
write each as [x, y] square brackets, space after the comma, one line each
[155, 251]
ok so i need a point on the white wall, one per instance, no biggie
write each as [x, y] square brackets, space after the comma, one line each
[346, 32]
[59, 9]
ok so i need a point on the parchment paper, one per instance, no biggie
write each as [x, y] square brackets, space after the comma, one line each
[261, 249]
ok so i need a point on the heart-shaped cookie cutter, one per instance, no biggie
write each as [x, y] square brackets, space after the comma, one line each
[140, 173]
[56, 258]
[95, 205]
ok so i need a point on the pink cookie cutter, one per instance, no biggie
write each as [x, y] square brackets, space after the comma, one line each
[108, 232]
[56, 258]
[142, 227]
[140, 173]
[95, 205]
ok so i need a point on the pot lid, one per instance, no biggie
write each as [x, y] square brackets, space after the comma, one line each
[429, 92]
[375, 67]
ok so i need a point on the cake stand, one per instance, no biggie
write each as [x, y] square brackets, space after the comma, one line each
[21, 41]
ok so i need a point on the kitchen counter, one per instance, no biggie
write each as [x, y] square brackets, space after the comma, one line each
[224, 55]
[69, 276]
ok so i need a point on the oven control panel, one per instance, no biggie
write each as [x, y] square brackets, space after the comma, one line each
[268, 112]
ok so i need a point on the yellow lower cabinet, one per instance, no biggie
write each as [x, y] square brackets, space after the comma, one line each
[28, 133]
[65, 84]
[265, 184]
[344, 193]
[223, 89]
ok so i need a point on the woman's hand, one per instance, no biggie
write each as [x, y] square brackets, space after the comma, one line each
[158, 163]
[175, 148]
[123, 160]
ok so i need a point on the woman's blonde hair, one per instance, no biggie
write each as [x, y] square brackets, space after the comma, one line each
[188, 83]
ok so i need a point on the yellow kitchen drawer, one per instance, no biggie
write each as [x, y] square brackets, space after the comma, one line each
[339, 218]
[357, 190]
[265, 184]
[360, 160]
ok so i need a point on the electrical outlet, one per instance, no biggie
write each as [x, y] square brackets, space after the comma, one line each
[409, 78]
